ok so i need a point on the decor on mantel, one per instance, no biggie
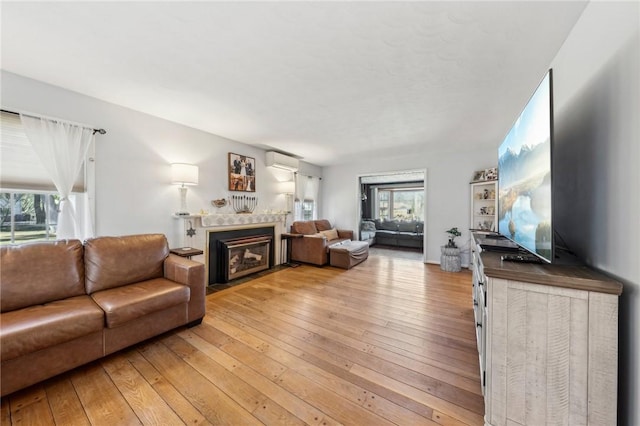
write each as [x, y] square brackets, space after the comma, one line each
[243, 203]
[242, 173]
[221, 202]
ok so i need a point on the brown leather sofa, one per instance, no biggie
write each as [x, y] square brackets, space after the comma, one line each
[316, 238]
[64, 304]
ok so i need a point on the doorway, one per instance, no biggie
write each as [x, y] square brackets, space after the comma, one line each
[392, 210]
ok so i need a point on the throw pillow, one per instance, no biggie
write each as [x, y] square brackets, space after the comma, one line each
[331, 234]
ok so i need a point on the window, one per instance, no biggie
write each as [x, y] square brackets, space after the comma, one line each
[28, 198]
[400, 203]
[28, 216]
[307, 210]
[307, 189]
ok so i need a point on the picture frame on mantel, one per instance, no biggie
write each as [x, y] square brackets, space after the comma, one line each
[242, 173]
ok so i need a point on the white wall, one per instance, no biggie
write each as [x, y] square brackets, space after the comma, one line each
[133, 190]
[597, 164]
[596, 170]
[448, 196]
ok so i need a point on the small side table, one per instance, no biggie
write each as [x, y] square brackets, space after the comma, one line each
[288, 237]
[450, 259]
[186, 252]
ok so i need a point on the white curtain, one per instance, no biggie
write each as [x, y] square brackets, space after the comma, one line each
[62, 148]
[307, 189]
[301, 187]
[313, 190]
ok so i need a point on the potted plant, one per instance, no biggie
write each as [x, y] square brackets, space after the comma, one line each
[453, 233]
[450, 257]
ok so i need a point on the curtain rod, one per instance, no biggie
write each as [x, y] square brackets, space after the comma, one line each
[309, 176]
[101, 131]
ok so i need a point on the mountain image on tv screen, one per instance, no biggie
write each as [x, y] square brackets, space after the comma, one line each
[524, 180]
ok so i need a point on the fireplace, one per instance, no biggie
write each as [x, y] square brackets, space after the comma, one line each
[223, 245]
[246, 255]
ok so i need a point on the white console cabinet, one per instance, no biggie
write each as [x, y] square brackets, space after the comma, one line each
[547, 342]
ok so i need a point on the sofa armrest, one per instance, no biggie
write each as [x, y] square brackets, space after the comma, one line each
[191, 274]
[344, 233]
[309, 249]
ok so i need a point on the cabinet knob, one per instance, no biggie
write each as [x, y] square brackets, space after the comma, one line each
[478, 324]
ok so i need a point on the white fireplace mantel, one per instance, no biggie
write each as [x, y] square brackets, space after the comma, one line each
[214, 220]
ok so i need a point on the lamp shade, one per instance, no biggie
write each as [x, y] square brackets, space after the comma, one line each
[287, 187]
[184, 174]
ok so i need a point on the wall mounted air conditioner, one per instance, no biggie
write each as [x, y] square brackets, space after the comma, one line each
[281, 161]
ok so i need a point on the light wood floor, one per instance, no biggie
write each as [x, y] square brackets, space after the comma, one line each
[390, 341]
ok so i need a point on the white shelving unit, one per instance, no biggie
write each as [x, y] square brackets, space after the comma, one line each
[484, 205]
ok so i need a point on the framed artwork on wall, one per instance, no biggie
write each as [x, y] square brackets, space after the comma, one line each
[242, 173]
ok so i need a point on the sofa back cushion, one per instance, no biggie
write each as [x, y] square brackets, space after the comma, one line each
[306, 227]
[38, 273]
[387, 225]
[409, 226]
[323, 225]
[116, 261]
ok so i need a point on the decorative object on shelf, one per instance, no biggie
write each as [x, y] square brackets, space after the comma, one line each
[183, 174]
[221, 202]
[491, 174]
[478, 176]
[243, 203]
[453, 233]
[485, 175]
[242, 173]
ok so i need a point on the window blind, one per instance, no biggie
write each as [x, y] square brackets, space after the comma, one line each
[20, 167]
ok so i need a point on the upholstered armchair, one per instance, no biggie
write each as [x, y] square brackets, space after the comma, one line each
[316, 238]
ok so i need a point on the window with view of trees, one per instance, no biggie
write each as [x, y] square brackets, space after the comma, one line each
[400, 203]
[27, 216]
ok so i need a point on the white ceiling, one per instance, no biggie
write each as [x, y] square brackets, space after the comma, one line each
[325, 81]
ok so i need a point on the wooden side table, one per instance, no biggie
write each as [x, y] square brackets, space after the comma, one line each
[288, 237]
[186, 252]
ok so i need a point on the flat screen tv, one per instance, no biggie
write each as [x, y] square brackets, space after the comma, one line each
[524, 176]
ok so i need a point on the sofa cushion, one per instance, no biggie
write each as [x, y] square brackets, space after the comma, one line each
[323, 225]
[368, 225]
[116, 261]
[41, 326]
[37, 273]
[331, 234]
[304, 227]
[126, 303]
[387, 225]
[409, 226]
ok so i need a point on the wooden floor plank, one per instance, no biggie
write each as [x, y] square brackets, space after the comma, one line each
[100, 398]
[188, 413]
[214, 404]
[390, 341]
[64, 402]
[142, 398]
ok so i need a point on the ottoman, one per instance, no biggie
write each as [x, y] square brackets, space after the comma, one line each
[348, 254]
